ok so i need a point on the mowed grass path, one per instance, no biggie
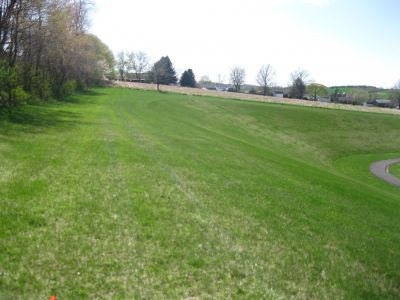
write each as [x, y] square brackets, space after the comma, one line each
[120, 194]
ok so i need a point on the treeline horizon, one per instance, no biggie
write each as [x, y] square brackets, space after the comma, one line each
[47, 52]
[136, 66]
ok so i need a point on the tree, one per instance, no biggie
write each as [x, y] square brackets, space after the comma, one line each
[205, 79]
[221, 78]
[298, 81]
[188, 79]
[163, 72]
[45, 49]
[155, 74]
[237, 77]
[265, 77]
[396, 93]
[122, 64]
[80, 12]
[142, 62]
[317, 90]
[138, 63]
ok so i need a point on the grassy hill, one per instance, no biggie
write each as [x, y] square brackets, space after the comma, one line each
[365, 92]
[119, 193]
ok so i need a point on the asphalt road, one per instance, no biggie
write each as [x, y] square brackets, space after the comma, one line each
[381, 168]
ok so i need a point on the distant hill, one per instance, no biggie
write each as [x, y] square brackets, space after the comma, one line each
[370, 92]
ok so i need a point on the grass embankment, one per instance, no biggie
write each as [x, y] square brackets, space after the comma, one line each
[134, 194]
[395, 170]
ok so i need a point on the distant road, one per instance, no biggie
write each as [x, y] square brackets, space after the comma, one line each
[380, 169]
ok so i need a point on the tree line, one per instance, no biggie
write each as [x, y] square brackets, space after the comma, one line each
[46, 51]
[163, 72]
[300, 85]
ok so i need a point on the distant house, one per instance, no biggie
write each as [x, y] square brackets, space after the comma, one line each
[278, 94]
[379, 103]
[324, 99]
[132, 77]
[221, 88]
[212, 86]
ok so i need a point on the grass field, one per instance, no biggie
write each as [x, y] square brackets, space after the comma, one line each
[395, 170]
[120, 193]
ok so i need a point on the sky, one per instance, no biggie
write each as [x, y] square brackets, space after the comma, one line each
[339, 42]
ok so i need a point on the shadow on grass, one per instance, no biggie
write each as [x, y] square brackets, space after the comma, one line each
[40, 116]
[34, 118]
[84, 96]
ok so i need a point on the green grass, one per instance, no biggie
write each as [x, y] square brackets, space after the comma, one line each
[374, 92]
[120, 193]
[395, 170]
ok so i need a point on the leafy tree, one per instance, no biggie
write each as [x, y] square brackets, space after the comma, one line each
[188, 79]
[45, 47]
[317, 90]
[8, 85]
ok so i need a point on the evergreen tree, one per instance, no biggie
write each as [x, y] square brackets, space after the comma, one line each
[298, 88]
[163, 72]
[188, 79]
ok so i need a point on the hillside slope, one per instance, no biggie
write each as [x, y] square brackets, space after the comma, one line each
[121, 193]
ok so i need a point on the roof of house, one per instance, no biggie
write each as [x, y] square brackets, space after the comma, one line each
[383, 101]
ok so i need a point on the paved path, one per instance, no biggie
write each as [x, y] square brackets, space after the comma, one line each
[380, 169]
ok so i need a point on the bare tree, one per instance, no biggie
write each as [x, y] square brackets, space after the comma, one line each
[265, 77]
[122, 64]
[138, 63]
[299, 80]
[221, 78]
[10, 27]
[80, 15]
[205, 79]
[7, 9]
[130, 61]
[396, 93]
[141, 64]
[237, 77]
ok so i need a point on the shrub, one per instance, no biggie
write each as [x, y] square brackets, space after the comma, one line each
[40, 88]
[8, 85]
[80, 85]
[253, 91]
[68, 88]
[19, 95]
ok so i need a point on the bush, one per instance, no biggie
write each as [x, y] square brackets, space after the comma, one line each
[68, 88]
[80, 85]
[19, 95]
[40, 88]
[9, 88]
[253, 91]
